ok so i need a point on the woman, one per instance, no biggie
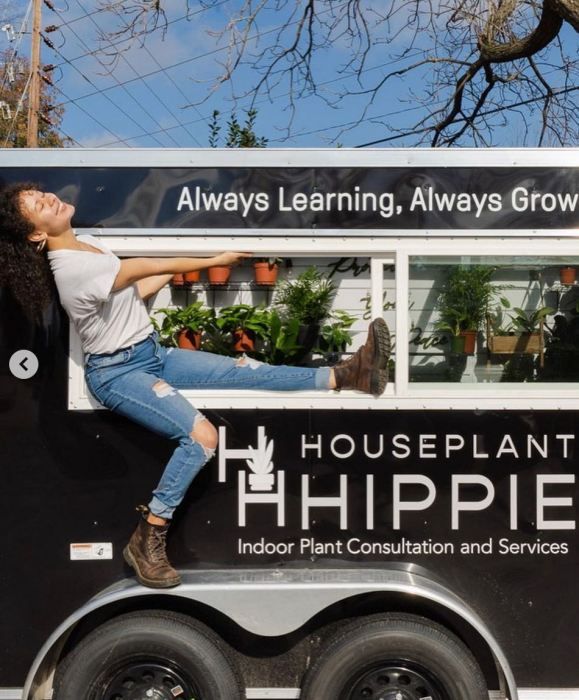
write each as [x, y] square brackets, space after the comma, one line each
[125, 367]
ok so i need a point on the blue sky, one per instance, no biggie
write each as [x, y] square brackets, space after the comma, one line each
[169, 90]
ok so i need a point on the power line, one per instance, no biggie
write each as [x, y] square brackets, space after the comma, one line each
[87, 14]
[336, 126]
[164, 104]
[89, 114]
[177, 87]
[71, 138]
[18, 41]
[134, 36]
[326, 82]
[356, 121]
[124, 88]
[74, 101]
[378, 116]
[497, 110]
[259, 35]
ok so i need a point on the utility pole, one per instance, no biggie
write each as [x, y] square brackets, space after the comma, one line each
[34, 87]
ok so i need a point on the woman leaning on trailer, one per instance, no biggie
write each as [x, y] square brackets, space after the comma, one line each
[126, 369]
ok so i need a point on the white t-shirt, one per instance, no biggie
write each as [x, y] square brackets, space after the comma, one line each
[105, 321]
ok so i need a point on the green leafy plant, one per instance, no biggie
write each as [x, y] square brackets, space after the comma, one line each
[335, 335]
[244, 316]
[499, 324]
[452, 322]
[237, 136]
[281, 346]
[307, 298]
[465, 298]
[529, 321]
[195, 317]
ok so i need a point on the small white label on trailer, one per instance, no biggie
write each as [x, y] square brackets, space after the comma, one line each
[82, 551]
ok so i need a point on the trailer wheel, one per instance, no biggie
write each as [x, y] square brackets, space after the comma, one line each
[151, 654]
[394, 657]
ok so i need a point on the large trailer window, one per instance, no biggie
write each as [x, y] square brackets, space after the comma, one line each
[522, 313]
[493, 319]
[315, 314]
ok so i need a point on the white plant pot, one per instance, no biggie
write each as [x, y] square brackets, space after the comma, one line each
[261, 482]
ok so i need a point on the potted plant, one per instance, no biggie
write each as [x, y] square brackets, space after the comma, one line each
[451, 324]
[464, 301]
[183, 327]
[219, 274]
[335, 335]
[192, 277]
[523, 335]
[307, 298]
[265, 270]
[246, 323]
[281, 345]
[261, 477]
[181, 278]
[567, 275]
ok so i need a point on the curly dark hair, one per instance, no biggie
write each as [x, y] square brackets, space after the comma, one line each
[23, 269]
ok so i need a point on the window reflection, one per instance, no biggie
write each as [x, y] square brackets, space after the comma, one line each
[497, 320]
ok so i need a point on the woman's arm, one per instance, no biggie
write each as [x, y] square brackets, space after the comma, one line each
[151, 285]
[134, 269]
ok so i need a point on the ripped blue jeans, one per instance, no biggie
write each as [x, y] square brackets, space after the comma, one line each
[141, 382]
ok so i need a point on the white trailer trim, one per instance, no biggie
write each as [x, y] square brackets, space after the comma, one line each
[272, 693]
[548, 694]
[291, 158]
[535, 694]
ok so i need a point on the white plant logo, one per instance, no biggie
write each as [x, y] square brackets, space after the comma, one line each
[261, 465]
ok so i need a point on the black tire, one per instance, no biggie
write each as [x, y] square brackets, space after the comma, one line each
[386, 656]
[150, 650]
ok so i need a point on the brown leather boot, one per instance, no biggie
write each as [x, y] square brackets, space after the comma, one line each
[367, 369]
[146, 554]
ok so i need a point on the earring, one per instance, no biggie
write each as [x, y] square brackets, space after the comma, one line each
[40, 246]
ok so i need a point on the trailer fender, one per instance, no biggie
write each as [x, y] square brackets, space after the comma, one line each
[272, 603]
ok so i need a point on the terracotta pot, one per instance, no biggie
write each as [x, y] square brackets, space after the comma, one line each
[219, 274]
[192, 276]
[189, 340]
[469, 341]
[243, 341]
[265, 273]
[567, 275]
[178, 280]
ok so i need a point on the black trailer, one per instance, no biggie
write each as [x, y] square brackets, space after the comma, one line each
[418, 545]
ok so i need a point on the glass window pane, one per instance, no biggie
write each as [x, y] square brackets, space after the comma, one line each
[494, 319]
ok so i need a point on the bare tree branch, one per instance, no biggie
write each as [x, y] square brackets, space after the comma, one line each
[473, 57]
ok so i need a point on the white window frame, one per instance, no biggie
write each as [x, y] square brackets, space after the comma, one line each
[79, 397]
[399, 394]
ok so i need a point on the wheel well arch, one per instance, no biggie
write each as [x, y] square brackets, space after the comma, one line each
[241, 641]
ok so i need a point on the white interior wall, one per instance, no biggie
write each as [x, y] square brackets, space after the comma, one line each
[351, 296]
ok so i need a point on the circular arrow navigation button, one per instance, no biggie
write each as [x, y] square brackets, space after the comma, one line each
[23, 364]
